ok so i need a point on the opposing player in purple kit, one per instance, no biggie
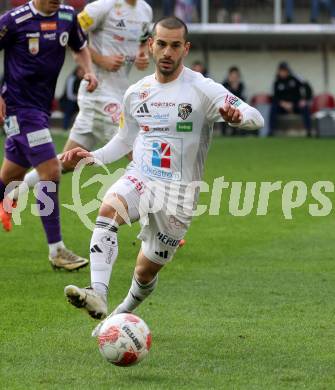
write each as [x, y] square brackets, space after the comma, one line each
[34, 38]
[167, 122]
[118, 32]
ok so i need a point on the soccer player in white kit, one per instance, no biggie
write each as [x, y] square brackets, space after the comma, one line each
[167, 122]
[118, 32]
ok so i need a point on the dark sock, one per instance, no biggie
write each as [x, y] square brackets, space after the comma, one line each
[48, 204]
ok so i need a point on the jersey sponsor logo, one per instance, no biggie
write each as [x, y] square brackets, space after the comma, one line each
[64, 38]
[139, 185]
[39, 137]
[161, 129]
[50, 36]
[34, 46]
[165, 239]
[118, 38]
[85, 20]
[162, 118]
[161, 155]
[145, 128]
[184, 110]
[232, 100]
[33, 35]
[11, 126]
[23, 18]
[162, 159]
[163, 104]
[114, 111]
[173, 221]
[184, 127]
[143, 95]
[65, 16]
[143, 111]
[49, 26]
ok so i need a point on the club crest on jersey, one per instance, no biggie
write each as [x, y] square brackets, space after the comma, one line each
[184, 110]
[64, 38]
[34, 46]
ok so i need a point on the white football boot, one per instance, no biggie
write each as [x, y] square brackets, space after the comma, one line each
[67, 260]
[86, 298]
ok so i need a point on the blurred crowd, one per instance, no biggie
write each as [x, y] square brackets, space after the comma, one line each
[291, 100]
[229, 11]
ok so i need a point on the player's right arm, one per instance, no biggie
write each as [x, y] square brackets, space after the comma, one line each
[91, 19]
[6, 39]
[119, 146]
[111, 63]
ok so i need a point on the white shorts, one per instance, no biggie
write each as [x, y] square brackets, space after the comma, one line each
[161, 232]
[97, 120]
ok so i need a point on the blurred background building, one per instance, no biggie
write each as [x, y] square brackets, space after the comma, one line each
[254, 36]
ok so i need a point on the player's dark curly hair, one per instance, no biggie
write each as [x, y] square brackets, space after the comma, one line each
[171, 23]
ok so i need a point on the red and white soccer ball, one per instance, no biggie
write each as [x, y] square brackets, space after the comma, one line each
[124, 339]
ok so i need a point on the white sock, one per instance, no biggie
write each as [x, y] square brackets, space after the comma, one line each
[53, 248]
[29, 181]
[103, 253]
[137, 294]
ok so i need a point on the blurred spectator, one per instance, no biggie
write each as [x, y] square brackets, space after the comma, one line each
[68, 102]
[228, 11]
[290, 95]
[185, 10]
[315, 10]
[198, 66]
[233, 82]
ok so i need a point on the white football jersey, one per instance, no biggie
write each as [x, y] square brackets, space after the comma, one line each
[169, 126]
[115, 27]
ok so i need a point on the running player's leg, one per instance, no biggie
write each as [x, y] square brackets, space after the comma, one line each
[80, 135]
[143, 283]
[103, 254]
[48, 188]
[10, 172]
[160, 239]
[121, 203]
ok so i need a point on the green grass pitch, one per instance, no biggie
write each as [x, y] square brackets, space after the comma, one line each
[247, 304]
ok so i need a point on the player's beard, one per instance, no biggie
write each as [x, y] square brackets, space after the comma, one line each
[168, 72]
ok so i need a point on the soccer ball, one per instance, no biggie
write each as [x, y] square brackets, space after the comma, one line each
[124, 339]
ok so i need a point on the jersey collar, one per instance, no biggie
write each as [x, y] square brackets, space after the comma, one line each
[35, 11]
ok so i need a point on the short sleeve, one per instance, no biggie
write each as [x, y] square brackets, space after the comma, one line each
[77, 38]
[6, 30]
[94, 14]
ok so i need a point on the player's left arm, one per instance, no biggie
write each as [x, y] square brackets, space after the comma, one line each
[83, 58]
[142, 56]
[222, 105]
[7, 39]
[78, 44]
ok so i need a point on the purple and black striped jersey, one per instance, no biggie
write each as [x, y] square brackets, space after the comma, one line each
[35, 46]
